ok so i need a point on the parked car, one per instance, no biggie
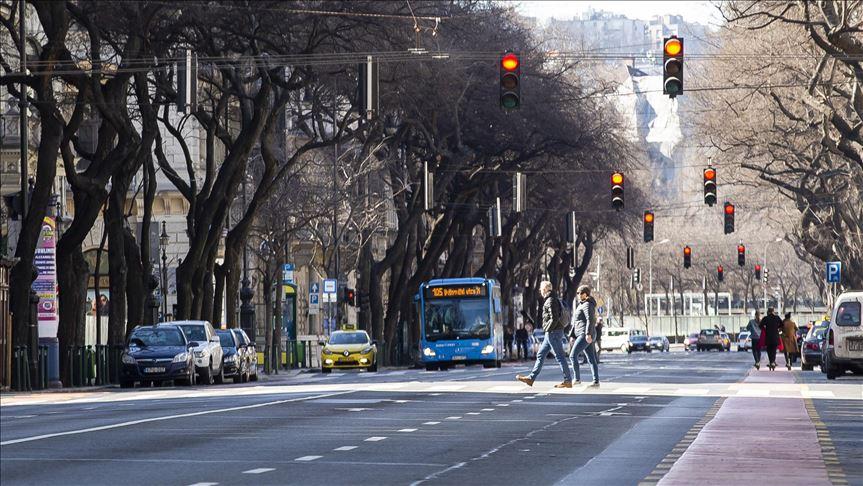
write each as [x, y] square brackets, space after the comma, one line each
[709, 339]
[249, 351]
[236, 367]
[349, 349]
[726, 341]
[810, 351]
[659, 343]
[844, 349]
[207, 350]
[637, 342]
[690, 343]
[155, 354]
[744, 342]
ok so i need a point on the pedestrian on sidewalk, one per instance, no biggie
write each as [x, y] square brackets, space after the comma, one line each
[789, 340]
[770, 326]
[754, 328]
[584, 332]
[507, 341]
[521, 337]
[552, 324]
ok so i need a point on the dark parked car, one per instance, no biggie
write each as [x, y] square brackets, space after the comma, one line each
[155, 354]
[246, 347]
[659, 343]
[235, 363]
[710, 339]
[810, 351]
[637, 342]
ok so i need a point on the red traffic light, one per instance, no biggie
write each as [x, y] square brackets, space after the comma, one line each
[719, 269]
[757, 268]
[709, 174]
[509, 62]
[687, 250]
[741, 249]
[729, 208]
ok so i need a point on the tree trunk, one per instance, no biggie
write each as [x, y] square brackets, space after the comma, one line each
[117, 269]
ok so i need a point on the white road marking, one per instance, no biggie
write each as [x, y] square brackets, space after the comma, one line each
[502, 405]
[430, 423]
[401, 401]
[529, 398]
[165, 417]
[262, 470]
[516, 401]
[487, 410]
[375, 439]
[473, 413]
[204, 484]
[306, 459]
[454, 417]
[345, 448]
[407, 430]
[817, 394]
[692, 391]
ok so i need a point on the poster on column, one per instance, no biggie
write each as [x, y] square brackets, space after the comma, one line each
[45, 284]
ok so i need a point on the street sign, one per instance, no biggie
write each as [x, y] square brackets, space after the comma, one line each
[314, 302]
[834, 272]
[288, 273]
[330, 286]
[316, 289]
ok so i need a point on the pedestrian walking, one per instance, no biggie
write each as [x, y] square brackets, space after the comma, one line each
[584, 332]
[599, 327]
[521, 338]
[553, 325]
[507, 341]
[754, 328]
[770, 326]
[789, 340]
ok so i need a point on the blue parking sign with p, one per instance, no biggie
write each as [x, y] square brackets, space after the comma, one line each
[834, 272]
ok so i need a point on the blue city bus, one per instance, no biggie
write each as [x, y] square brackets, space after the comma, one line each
[460, 322]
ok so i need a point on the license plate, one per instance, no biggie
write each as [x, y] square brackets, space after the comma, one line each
[154, 370]
[458, 357]
[855, 345]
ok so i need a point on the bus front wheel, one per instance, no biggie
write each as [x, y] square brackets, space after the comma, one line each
[431, 367]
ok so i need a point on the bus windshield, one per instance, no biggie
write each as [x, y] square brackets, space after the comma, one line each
[457, 319]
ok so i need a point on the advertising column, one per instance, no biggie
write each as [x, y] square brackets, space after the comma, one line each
[45, 284]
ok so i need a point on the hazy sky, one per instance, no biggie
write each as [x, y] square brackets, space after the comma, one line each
[701, 12]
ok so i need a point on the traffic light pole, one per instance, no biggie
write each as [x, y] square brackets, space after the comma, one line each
[650, 269]
[764, 270]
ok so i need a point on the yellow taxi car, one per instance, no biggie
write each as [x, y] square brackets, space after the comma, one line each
[349, 349]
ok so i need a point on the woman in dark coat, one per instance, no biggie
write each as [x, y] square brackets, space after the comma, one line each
[770, 326]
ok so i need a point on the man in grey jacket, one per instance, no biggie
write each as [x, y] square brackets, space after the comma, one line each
[553, 326]
[584, 332]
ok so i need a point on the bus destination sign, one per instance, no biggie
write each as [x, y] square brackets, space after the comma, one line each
[455, 291]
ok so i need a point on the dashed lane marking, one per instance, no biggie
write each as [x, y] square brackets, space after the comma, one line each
[502, 405]
[375, 439]
[474, 413]
[262, 470]
[204, 484]
[454, 417]
[430, 423]
[345, 448]
[407, 430]
[487, 410]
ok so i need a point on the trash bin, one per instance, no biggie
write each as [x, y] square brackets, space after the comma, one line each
[53, 345]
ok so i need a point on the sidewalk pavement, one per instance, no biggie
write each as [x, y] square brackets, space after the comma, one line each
[753, 440]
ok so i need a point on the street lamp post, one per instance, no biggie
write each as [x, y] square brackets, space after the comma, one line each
[164, 239]
[650, 269]
[764, 269]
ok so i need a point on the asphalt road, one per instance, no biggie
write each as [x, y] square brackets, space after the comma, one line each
[464, 426]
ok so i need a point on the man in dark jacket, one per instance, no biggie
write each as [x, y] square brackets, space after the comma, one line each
[554, 338]
[521, 338]
[584, 332]
[754, 328]
[771, 324]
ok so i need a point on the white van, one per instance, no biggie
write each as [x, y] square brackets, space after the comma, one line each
[618, 337]
[844, 347]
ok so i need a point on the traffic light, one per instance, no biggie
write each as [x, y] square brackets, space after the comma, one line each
[720, 273]
[766, 276]
[648, 226]
[757, 272]
[741, 255]
[672, 66]
[630, 258]
[729, 218]
[617, 190]
[510, 82]
[687, 257]
[710, 186]
[349, 296]
[637, 276]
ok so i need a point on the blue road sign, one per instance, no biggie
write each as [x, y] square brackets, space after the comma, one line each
[834, 272]
[330, 285]
[314, 299]
[316, 289]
